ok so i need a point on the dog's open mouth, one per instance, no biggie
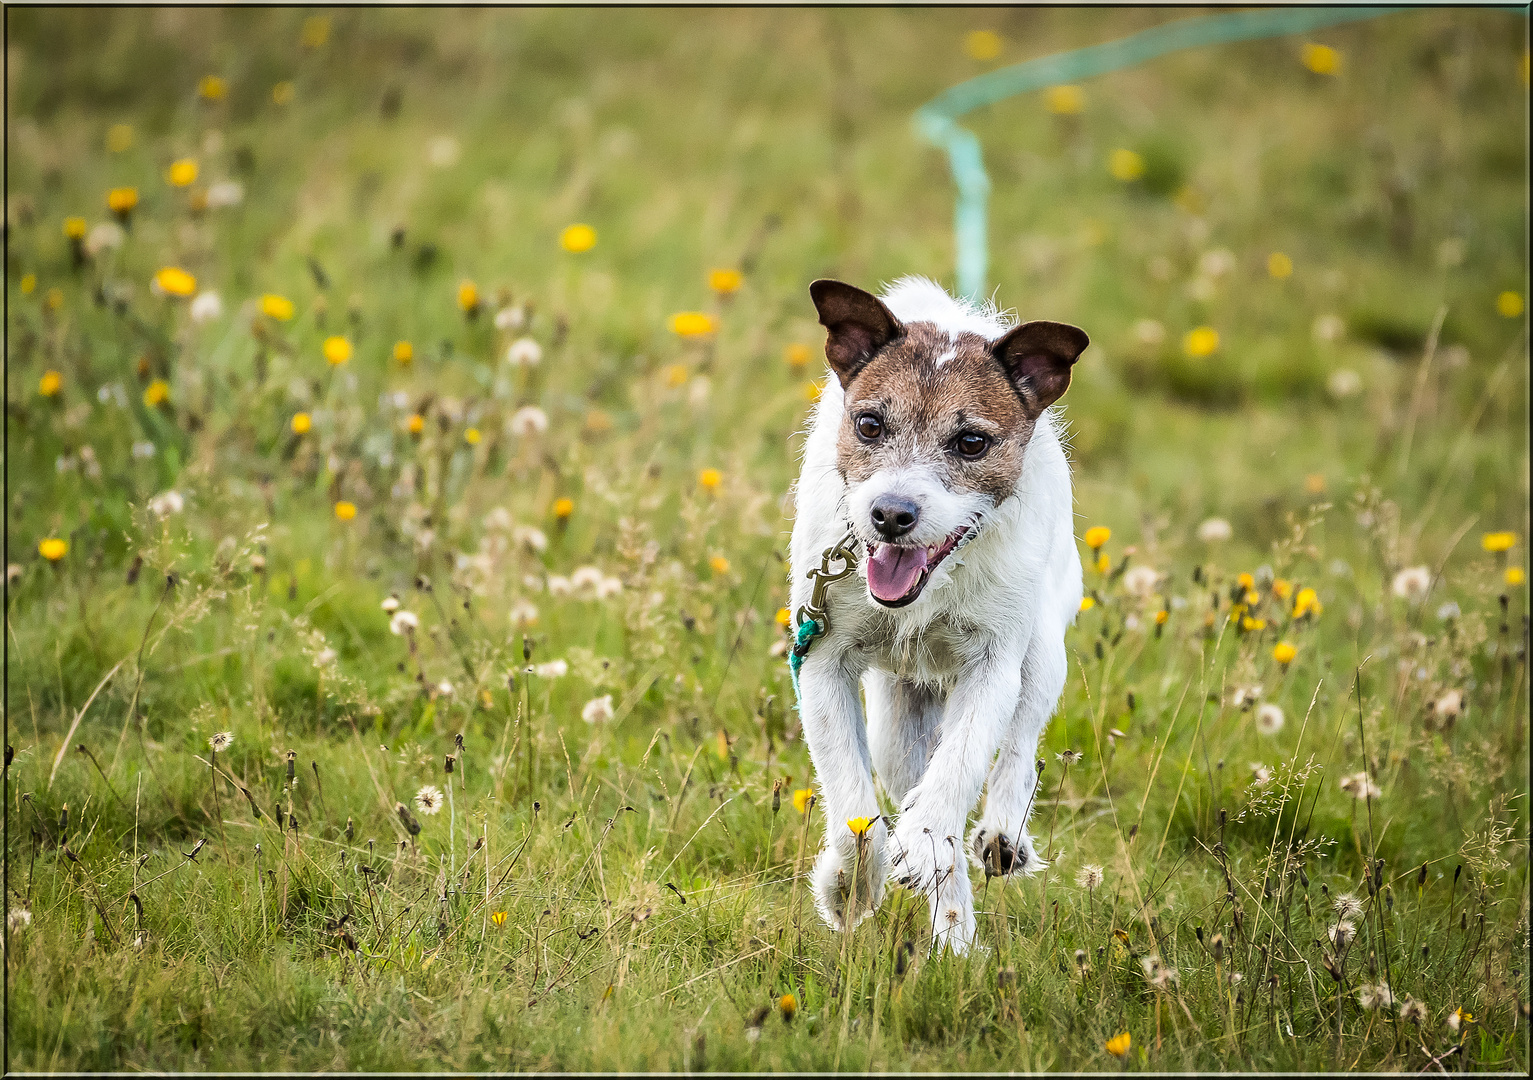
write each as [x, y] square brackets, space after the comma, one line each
[898, 572]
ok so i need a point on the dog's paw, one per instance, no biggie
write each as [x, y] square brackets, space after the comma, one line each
[1000, 853]
[848, 887]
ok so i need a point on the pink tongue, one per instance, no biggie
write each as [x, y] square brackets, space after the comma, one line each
[893, 570]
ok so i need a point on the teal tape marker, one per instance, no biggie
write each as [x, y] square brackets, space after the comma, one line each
[937, 119]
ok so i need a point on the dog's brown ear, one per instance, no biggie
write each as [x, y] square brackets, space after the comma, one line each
[858, 322]
[1037, 357]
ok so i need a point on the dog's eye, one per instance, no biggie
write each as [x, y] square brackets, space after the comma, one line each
[869, 428]
[971, 446]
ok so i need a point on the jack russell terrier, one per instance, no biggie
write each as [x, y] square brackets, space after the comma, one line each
[933, 458]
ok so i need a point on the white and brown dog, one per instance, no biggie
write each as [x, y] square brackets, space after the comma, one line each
[936, 445]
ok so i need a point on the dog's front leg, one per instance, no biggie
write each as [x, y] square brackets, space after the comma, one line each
[927, 846]
[848, 882]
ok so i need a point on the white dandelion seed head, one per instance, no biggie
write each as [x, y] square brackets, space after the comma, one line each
[609, 587]
[226, 193]
[1341, 933]
[429, 800]
[1246, 696]
[552, 669]
[1447, 611]
[498, 520]
[560, 586]
[528, 421]
[1450, 705]
[206, 307]
[390, 604]
[524, 352]
[512, 317]
[1217, 263]
[586, 579]
[143, 449]
[1089, 876]
[598, 710]
[1140, 581]
[1412, 583]
[19, 919]
[531, 538]
[104, 237]
[1346, 906]
[1328, 328]
[220, 741]
[1215, 531]
[1360, 787]
[1269, 718]
[1149, 332]
[167, 503]
[403, 622]
[444, 688]
[523, 613]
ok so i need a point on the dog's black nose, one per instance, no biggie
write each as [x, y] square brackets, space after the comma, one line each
[893, 516]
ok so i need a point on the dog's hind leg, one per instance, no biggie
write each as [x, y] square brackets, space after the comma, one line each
[1000, 843]
[903, 720]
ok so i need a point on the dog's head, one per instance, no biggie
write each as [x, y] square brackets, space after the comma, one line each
[935, 426]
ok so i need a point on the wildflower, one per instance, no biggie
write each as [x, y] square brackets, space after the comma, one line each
[167, 503]
[577, 238]
[207, 307]
[1215, 531]
[859, 825]
[104, 237]
[524, 352]
[528, 421]
[1459, 1018]
[563, 508]
[719, 564]
[390, 604]
[50, 384]
[725, 282]
[429, 800]
[143, 449]
[982, 44]
[710, 479]
[812, 391]
[1509, 305]
[1279, 265]
[1498, 542]
[1103, 564]
[1261, 775]
[797, 355]
[523, 613]
[560, 586]
[783, 618]
[690, 324]
[1346, 906]
[337, 350]
[1088, 602]
[1201, 341]
[221, 741]
[121, 201]
[1118, 1045]
[1413, 1010]
[1321, 59]
[1245, 696]
[53, 549]
[345, 511]
[18, 920]
[553, 669]
[212, 88]
[403, 622]
[301, 423]
[1089, 876]
[1374, 996]
[1065, 100]
[1140, 581]
[444, 688]
[511, 318]
[1283, 653]
[277, 307]
[531, 538]
[609, 587]
[801, 798]
[787, 1005]
[598, 710]
[173, 281]
[415, 424]
[472, 436]
[156, 392]
[182, 173]
[1282, 588]
[1307, 602]
[1412, 583]
[74, 228]
[1069, 757]
[1269, 719]
[468, 297]
[1449, 706]
[498, 918]
[1514, 576]
[1360, 787]
[1125, 165]
[1097, 535]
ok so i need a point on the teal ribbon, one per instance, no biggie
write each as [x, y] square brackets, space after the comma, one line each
[803, 637]
[937, 119]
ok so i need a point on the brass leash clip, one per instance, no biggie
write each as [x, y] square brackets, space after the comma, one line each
[843, 551]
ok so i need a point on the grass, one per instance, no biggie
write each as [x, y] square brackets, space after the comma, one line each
[269, 907]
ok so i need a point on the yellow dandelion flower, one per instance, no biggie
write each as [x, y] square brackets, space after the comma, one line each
[498, 918]
[404, 352]
[1246, 581]
[174, 281]
[28, 283]
[282, 93]
[53, 549]
[472, 436]
[156, 392]
[564, 508]
[692, 324]
[212, 88]
[1118, 1045]
[345, 511]
[1249, 623]
[859, 825]
[675, 375]
[725, 282]
[316, 31]
[783, 617]
[1509, 304]
[577, 238]
[337, 350]
[1104, 564]
[1279, 265]
[1097, 535]
[416, 424]
[797, 355]
[1314, 483]
[1066, 100]
[182, 173]
[119, 138]
[710, 479]
[1306, 603]
[51, 383]
[301, 423]
[277, 307]
[1514, 577]
[1252, 598]
[1161, 617]
[1321, 59]
[74, 228]
[468, 296]
[787, 1005]
[1088, 602]
[812, 391]
[982, 44]
[1282, 588]
[122, 200]
[1125, 165]
[1497, 542]
[801, 799]
[719, 564]
[1201, 341]
[1284, 653]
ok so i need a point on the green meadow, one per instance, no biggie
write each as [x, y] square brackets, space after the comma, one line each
[402, 409]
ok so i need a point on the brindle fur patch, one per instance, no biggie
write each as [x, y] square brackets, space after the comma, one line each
[928, 388]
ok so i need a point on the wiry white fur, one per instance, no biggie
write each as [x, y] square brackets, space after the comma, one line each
[959, 683]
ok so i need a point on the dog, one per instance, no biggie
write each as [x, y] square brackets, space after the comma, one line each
[936, 446]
